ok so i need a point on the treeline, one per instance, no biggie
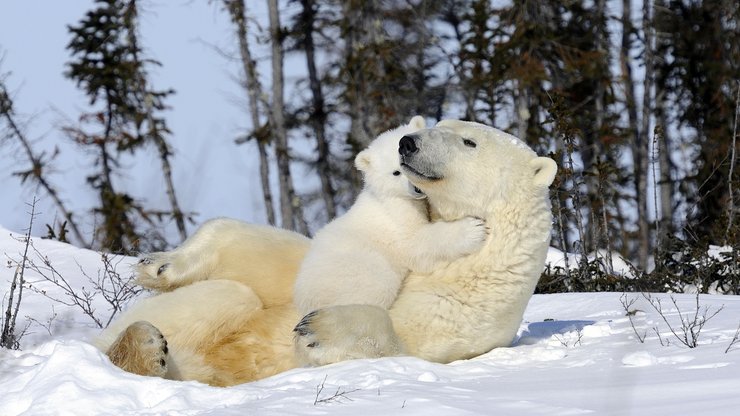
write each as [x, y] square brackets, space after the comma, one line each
[637, 102]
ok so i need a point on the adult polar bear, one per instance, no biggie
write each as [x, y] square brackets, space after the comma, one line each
[477, 302]
[237, 326]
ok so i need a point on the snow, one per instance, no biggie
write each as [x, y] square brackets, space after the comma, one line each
[576, 353]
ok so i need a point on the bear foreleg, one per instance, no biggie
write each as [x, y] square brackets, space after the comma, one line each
[443, 241]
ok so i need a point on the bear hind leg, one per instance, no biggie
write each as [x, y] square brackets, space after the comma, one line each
[140, 349]
[152, 271]
[193, 261]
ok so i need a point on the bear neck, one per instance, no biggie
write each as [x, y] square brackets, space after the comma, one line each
[520, 226]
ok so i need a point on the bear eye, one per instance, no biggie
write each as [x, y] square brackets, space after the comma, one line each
[396, 172]
[469, 143]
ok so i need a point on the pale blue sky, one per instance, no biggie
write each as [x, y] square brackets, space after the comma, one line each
[213, 176]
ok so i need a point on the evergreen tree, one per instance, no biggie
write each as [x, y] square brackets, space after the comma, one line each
[108, 67]
[699, 67]
[316, 112]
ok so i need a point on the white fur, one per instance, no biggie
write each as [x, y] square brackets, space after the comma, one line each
[363, 256]
[224, 248]
[213, 309]
[474, 303]
[240, 329]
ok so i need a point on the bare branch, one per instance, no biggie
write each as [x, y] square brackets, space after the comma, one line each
[37, 163]
[337, 396]
[9, 338]
[629, 312]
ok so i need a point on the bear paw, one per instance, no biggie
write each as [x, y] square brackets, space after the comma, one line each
[140, 349]
[156, 271]
[473, 234]
[345, 332]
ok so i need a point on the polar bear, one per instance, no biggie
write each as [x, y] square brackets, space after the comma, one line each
[239, 329]
[476, 303]
[363, 256]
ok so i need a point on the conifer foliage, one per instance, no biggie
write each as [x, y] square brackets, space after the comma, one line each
[124, 117]
[637, 101]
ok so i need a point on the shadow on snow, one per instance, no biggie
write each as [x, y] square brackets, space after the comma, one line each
[536, 331]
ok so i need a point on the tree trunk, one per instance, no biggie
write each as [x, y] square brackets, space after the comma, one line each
[638, 145]
[253, 88]
[318, 113]
[592, 147]
[522, 114]
[361, 18]
[290, 205]
[641, 147]
[164, 156]
[731, 176]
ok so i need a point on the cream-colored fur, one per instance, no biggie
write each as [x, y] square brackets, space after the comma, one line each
[227, 314]
[464, 309]
[228, 249]
[192, 319]
[475, 303]
[363, 256]
[140, 349]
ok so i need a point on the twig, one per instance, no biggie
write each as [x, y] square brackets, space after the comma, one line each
[735, 339]
[9, 339]
[629, 313]
[337, 396]
[37, 161]
[46, 325]
[690, 329]
[114, 289]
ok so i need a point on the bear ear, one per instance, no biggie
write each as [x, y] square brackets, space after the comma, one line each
[418, 122]
[362, 160]
[544, 170]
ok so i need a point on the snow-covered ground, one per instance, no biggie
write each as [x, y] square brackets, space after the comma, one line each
[576, 354]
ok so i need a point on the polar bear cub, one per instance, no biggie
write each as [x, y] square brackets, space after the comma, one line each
[363, 256]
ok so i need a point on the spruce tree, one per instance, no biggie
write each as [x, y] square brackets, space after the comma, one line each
[108, 67]
[698, 44]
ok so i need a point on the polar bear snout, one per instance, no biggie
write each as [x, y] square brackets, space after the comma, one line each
[407, 145]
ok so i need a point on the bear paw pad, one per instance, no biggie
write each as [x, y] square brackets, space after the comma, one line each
[141, 349]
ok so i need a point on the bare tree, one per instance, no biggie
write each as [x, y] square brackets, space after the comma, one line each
[37, 171]
[236, 10]
[291, 209]
[730, 191]
[317, 118]
[9, 338]
[639, 145]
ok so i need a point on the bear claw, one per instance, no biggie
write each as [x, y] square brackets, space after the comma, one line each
[303, 327]
[162, 268]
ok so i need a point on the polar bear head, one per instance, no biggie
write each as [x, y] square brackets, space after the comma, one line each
[464, 166]
[380, 166]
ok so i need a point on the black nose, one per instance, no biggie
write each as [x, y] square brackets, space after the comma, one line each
[407, 145]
